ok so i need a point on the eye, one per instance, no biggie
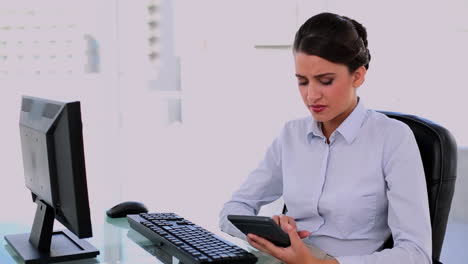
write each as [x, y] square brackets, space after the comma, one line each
[326, 82]
[302, 81]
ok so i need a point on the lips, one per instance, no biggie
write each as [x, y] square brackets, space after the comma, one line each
[317, 108]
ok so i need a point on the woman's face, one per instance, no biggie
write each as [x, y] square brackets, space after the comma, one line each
[327, 89]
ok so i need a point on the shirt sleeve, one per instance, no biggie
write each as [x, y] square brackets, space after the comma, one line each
[408, 206]
[262, 186]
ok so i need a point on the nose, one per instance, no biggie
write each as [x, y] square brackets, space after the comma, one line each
[313, 93]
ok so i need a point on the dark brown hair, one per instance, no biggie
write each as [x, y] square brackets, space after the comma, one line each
[336, 38]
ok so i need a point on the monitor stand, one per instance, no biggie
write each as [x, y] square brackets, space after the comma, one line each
[43, 245]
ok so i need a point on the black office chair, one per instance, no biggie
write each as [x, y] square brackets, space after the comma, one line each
[439, 156]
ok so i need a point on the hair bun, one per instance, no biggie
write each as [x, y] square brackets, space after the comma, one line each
[362, 33]
[361, 30]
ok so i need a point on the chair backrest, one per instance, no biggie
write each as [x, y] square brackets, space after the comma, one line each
[439, 156]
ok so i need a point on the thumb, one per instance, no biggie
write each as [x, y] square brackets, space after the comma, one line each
[303, 234]
[293, 235]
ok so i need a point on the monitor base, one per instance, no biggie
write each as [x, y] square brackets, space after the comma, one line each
[65, 246]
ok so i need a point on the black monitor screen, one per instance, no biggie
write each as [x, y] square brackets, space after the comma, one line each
[53, 160]
[54, 170]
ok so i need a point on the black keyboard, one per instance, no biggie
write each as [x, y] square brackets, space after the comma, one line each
[186, 241]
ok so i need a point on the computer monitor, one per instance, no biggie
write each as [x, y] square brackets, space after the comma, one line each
[54, 171]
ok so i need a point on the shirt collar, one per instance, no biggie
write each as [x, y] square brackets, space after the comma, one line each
[348, 129]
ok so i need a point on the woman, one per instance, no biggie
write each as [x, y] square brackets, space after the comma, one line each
[350, 176]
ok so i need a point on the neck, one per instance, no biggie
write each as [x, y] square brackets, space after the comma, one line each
[329, 127]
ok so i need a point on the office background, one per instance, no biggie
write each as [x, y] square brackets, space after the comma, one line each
[181, 98]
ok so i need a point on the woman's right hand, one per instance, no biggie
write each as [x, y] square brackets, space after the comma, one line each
[284, 220]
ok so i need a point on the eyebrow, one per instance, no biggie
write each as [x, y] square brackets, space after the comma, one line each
[317, 76]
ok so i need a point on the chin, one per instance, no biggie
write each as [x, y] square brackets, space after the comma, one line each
[320, 117]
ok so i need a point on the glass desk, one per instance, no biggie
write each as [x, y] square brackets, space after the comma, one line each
[117, 243]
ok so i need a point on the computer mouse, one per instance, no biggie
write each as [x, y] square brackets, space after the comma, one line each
[125, 208]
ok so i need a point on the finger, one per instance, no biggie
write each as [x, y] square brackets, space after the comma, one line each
[292, 222]
[284, 221]
[276, 219]
[303, 234]
[293, 236]
[256, 245]
[289, 220]
[265, 245]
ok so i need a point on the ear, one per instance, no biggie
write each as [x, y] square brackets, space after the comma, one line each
[359, 76]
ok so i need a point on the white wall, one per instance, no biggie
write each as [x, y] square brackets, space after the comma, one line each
[97, 92]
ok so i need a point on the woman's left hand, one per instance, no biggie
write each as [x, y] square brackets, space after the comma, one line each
[297, 253]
